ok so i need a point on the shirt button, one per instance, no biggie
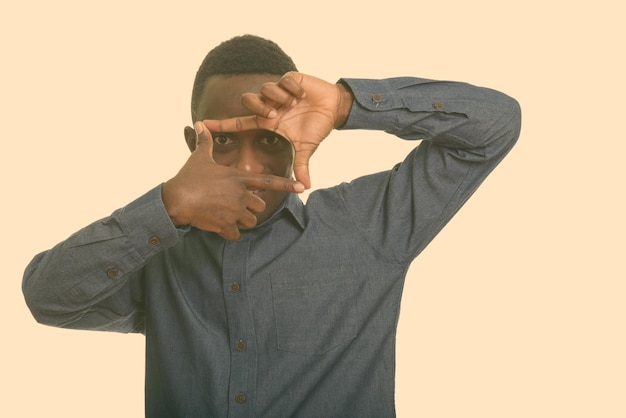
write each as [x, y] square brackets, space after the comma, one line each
[154, 241]
[113, 273]
[241, 345]
[438, 105]
[235, 287]
[240, 398]
[377, 98]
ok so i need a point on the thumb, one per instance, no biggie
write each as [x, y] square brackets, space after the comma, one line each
[204, 140]
[301, 167]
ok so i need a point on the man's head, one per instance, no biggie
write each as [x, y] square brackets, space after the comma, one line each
[247, 54]
[241, 65]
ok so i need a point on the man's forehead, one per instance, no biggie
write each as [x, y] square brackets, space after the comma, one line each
[221, 95]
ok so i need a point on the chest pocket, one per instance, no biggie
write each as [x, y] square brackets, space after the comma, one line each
[313, 313]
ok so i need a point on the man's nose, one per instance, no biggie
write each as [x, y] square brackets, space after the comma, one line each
[248, 160]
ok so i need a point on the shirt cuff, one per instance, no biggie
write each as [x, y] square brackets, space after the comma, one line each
[147, 225]
[395, 100]
[371, 96]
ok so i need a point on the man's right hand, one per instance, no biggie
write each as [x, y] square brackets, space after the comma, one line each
[217, 198]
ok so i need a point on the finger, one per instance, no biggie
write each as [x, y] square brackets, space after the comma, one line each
[244, 123]
[274, 95]
[204, 140]
[301, 166]
[270, 182]
[291, 82]
[247, 221]
[256, 105]
[255, 204]
[231, 233]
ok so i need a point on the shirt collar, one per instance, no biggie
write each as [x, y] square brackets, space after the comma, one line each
[295, 207]
[292, 207]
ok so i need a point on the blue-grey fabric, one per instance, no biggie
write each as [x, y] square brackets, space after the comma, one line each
[298, 318]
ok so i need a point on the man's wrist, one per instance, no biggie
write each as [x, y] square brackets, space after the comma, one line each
[173, 210]
[346, 99]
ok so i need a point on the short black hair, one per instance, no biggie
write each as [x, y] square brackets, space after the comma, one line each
[246, 54]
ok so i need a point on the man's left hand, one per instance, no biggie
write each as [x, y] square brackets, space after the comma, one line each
[301, 108]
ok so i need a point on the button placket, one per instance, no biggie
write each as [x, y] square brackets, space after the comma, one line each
[241, 328]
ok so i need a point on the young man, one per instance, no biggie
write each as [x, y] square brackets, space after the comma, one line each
[253, 304]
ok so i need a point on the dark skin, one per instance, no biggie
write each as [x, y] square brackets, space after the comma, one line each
[256, 129]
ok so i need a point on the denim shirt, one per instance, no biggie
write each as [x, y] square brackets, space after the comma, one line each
[298, 318]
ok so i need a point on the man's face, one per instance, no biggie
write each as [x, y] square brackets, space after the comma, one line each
[257, 151]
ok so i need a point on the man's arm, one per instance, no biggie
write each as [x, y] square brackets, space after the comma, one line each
[466, 131]
[91, 280]
[86, 281]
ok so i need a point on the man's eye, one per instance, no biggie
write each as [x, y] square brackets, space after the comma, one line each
[222, 140]
[271, 140]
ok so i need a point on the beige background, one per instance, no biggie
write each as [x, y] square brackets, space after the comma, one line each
[517, 307]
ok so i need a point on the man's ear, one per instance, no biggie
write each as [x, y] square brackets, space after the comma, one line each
[190, 138]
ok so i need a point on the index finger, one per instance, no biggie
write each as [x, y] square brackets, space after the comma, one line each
[271, 182]
[238, 124]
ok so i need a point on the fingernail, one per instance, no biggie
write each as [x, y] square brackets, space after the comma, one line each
[272, 114]
[298, 187]
[199, 128]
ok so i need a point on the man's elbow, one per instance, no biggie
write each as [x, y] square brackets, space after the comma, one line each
[515, 121]
[508, 123]
[39, 295]
[35, 301]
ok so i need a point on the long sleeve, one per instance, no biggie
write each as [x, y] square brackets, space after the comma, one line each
[94, 278]
[88, 279]
[465, 132]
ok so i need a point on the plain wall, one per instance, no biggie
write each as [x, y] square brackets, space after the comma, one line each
[515, 310]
